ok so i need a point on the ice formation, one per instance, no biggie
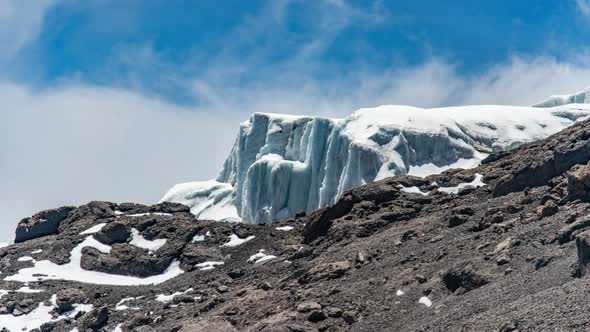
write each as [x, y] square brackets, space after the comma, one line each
[281, 165]
[581, 97]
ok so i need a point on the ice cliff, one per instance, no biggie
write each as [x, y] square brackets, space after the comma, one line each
[582, 97]
[281, 165]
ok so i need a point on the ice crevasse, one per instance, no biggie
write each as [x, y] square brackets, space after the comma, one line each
[282, 164]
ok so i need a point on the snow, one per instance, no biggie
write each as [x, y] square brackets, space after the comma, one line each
[149, 214]
[477, 182]
[260, 257]
[38, 251]
[207, 200]
[167, 298]
[235, 240]
[121, 304]
[47, 270]
[39, 316]
[4, 244]
[429, 168]
[580, 97]
[284, 228]
[425, 301]
[25, 259]
[281, 165]
[118, 328]
[412, 190]
[399, 292]
[198, 238]
[28, 290]
[94, 229]
[209, 265]
[141, 242]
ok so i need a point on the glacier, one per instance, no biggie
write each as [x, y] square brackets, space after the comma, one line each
[281, 165]
[581, 97]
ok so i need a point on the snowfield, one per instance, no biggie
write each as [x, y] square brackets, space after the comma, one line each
[281, 165]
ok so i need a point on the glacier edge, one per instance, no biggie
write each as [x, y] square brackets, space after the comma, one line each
[281, 165]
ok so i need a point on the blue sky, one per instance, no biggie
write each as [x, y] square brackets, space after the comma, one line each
[120, 99]
[157, 46]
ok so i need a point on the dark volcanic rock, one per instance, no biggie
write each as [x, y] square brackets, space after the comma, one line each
[124, 259]
[583, 251]
[41, 224]
[95, 319]
[66, 299]
[112, 233]
[578, 183]
[462, 278]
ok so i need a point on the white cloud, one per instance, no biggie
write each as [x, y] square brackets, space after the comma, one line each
[76, 144]
[20, 23]
[583, 7]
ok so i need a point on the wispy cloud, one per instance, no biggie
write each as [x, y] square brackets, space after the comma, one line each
[583, 7]
[20, 21]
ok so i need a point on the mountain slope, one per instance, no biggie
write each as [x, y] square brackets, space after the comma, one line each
[501, 247]
[283, 165]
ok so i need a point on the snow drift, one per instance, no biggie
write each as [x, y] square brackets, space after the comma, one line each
[281, 165]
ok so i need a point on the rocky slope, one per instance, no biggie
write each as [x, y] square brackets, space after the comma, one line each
[502, 247]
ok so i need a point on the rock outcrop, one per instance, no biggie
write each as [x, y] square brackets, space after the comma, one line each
[42, 224]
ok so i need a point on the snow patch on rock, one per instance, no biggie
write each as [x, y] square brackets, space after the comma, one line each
[235, 240]
[209, 265]
[260, 257]
[94, 229]
[41, 315]
[141, 242]
[476, 183]
[167, 298]
[47, 270]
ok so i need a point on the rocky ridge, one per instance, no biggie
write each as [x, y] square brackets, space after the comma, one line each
[502, 247]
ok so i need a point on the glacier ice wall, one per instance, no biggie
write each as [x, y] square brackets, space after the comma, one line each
[281, 165]
[581, 97]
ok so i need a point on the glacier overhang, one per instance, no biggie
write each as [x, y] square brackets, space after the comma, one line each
[281, 165]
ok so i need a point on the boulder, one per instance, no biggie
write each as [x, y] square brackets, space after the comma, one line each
[462, 279]
[578, 183]
[308, 306]
[124, 259]
[113, 233]
[95, 319]
[41, 224]
[68, 297]
[583, 251]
